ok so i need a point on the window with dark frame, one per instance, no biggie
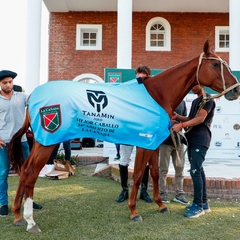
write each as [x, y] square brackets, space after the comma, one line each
[88, 37]
[222, 39]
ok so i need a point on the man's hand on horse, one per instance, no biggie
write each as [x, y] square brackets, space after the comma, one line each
[174, 115]
[174, 121]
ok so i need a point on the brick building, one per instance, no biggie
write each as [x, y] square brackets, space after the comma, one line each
[85, 37]
[189, 31]
[126, 33]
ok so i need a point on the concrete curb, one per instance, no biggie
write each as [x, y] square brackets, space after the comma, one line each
[216, 187]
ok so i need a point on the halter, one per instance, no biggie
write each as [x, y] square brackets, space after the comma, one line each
[205, 98]
[223, 63]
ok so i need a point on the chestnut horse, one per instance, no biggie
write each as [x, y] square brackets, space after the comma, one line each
[168, 89]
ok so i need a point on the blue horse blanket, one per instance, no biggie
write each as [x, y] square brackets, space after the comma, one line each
[122, 113]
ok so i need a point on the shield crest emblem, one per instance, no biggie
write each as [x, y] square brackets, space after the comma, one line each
[51, 118]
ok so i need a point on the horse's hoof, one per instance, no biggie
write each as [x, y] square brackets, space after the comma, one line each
[164, 210]
[34, 229]
[20, 222]
[137, 218]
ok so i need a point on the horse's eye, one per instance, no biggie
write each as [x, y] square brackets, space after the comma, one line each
[215, 64]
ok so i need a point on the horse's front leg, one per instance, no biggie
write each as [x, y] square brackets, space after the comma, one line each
[137, 178]
[154, 172]
[141, 159]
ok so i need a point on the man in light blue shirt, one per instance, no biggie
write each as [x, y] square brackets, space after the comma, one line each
[12, 115]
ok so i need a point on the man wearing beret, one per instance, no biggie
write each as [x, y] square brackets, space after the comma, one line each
[12, 115]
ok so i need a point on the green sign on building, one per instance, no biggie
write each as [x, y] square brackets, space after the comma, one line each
[116, 75]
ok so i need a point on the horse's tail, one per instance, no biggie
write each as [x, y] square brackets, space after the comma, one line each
[15, 147]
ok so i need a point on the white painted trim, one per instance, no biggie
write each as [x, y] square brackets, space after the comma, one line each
[234, 23]
[218, 30]
[88, 77]
[33, 43]
[91, 27]
[124, 34]
[167, 39]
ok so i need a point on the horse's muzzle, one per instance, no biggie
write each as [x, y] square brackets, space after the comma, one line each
[233, 94]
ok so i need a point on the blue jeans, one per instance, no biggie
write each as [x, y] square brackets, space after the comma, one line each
[196, 156]
[4, 170]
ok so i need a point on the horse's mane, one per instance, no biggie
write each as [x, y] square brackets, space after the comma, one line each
[145, 78]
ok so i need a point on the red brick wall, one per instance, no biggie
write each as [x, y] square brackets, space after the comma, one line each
[189, 31]
[216, 187]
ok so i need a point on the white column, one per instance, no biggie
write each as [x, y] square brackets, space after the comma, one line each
[234, 34]
[124, 34]
[33, 41]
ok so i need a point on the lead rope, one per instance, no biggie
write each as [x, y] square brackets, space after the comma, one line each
[176, 146]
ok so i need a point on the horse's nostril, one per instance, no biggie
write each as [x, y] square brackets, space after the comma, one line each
[236, 89]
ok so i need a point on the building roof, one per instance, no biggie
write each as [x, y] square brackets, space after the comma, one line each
[139, 5]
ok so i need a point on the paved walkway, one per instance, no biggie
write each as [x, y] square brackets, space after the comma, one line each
[217, 168]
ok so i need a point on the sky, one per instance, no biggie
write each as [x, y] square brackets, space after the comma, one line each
[13, 39]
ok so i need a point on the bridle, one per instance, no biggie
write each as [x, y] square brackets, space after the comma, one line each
[223, 63]
[209, 97]
[206, 98]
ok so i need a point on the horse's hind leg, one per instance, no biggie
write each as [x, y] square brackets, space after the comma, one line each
[16, 207]
[36, 162]
[24, 190]
[28, 177]
[154, 172]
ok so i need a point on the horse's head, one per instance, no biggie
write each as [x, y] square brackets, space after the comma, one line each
[215, 73]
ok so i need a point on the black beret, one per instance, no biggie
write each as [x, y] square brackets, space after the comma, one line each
[7, 73]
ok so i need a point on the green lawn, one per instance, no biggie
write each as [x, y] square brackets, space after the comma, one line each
[84, 207]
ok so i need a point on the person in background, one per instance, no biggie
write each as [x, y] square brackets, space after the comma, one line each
[118, 152]
[17, 88]
[199, 138]
[167, 150]
[67, 150]
[126, 151]
[12, 115]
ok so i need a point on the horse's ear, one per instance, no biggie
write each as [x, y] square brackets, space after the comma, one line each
[206, 48]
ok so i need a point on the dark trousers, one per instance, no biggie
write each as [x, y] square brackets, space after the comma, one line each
[67, 150]
[118, 149]
[196, 156]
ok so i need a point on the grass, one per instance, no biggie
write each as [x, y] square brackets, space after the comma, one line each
[84, 207]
